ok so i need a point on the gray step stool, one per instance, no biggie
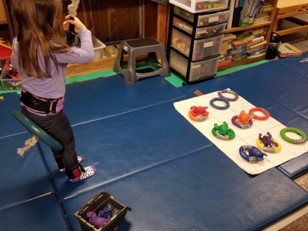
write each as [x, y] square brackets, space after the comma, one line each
[135, 47]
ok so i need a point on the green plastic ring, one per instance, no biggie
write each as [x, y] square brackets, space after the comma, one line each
[37, 131]
[295, 130]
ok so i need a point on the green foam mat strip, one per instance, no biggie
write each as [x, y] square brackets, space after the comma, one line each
[239, 68]
[173, 79]
[75, 79]
[177, 81]
[90, 76]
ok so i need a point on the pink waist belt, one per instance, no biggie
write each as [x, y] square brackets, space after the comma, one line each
[41, 105]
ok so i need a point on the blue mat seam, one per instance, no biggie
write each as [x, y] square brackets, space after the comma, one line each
[24, 201]
[12, 135]
[140, 170]
[64, 215]
[129, 111]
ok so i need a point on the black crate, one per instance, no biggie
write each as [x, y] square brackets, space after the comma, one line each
[96, 204]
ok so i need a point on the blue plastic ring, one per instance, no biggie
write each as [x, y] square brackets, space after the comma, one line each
[227, 104]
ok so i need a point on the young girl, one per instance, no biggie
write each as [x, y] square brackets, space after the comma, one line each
[40, 55]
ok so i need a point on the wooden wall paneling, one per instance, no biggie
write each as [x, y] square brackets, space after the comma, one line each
[11, 23]
[111, 21]
[156, 21]
[162, 23]
[3, 19]
[150, 19]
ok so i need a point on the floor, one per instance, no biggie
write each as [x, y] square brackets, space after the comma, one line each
[297, 221]
[299, 39]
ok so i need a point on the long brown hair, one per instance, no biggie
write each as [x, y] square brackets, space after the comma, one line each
[38, 34]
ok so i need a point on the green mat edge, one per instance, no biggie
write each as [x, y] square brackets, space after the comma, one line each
[174, 79]
[177, 81]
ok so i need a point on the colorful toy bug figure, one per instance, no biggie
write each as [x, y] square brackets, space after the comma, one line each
[267, 143]
[223, 132]
[198, 113]
[251, 153]
[243, 120]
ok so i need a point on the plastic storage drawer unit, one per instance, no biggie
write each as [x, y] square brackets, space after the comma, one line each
[201, 32]
[197, 6]
[202, 19]
[202, 48]
[194, 71]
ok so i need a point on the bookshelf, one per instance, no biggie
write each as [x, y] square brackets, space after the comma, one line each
[239, 29]
[266, 24]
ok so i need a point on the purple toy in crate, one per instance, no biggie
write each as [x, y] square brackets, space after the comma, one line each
[96, 220]
[101, 213]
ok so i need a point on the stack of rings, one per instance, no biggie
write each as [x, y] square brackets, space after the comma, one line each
[226, 106]
[266, 114]
[235, 95]
[294, 130]
[251, 153]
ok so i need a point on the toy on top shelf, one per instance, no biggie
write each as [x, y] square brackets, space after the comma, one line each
[197, 6]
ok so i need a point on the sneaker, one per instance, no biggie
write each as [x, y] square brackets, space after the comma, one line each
[79, 158]
[85, 174]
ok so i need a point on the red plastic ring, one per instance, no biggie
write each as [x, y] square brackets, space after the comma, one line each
[259, 109]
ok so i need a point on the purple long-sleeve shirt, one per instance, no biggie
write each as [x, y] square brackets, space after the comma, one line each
[53, 87]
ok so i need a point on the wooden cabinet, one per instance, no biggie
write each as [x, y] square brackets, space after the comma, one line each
[3, 19]
[116, 20]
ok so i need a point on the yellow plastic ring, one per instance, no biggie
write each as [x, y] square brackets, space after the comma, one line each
[261, 146]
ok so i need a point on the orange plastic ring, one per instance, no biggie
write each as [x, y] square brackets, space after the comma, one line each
[259, 109]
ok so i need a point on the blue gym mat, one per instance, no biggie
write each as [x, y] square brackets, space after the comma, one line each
[200, 191]
[106, 97]
[8, 124]
[41, 213]
[23, 178]
[149, 158]
[122, 145]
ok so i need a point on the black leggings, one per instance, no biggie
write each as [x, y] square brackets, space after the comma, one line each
[59, 127]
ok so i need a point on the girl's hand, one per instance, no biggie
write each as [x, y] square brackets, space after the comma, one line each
[76, 22]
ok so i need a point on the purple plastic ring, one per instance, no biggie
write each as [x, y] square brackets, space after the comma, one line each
[235, 95]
